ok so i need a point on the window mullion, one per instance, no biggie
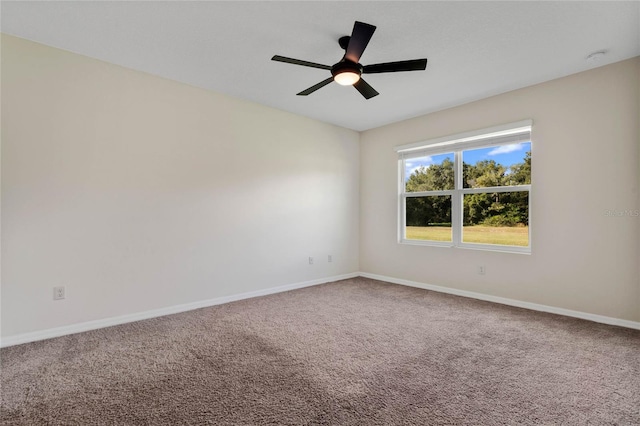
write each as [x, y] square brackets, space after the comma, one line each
[456, 200]
[402, 199]
[429, 193]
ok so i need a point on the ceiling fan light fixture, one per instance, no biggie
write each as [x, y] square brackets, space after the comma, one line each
[346, 78]
[346, 73]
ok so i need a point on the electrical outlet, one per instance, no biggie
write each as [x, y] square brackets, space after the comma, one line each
[58, 293]
[481, 270]
[329, 258]
[310, 260]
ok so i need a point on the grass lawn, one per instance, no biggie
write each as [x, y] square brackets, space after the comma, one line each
[511, 236]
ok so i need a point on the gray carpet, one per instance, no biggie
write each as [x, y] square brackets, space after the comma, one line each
[354, 352]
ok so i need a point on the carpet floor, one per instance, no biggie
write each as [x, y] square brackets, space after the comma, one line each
[353, 352]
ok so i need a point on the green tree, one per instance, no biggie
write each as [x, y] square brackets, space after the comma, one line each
[520, 174]
[483, 174]
[428, 211]
[436, 177]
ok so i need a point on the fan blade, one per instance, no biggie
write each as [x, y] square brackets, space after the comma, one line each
[412, 65]
[299, 62]
[312, 89]
[360, 37]
[365, 90]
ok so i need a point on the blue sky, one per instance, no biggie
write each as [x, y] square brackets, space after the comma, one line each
[503, 154]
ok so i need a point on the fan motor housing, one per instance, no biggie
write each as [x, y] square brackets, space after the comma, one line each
[346, 65]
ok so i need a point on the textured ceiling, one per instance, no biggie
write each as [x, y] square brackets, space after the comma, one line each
[475, 49]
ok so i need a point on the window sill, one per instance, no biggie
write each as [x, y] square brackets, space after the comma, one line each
[467, 246]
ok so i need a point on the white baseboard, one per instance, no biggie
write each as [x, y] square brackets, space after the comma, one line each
[511, 302]
[122, 319]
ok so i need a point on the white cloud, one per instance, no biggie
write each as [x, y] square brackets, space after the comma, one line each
[415, 163]
[410, 171]
[505, 149]
[421, 161]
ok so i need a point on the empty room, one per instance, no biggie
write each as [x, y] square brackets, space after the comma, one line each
[203, 223]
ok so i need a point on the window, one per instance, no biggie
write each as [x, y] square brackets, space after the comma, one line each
[470, 190]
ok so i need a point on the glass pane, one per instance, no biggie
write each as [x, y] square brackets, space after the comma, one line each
[428, 218]
[501, 165]
[497, 218]
[430, 173]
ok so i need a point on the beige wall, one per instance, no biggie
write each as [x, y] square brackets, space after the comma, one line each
[138, 193]
[585, 161]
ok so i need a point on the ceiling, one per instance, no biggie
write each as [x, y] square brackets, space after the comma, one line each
[475, 49]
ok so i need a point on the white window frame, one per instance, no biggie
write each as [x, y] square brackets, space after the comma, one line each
[499, 135]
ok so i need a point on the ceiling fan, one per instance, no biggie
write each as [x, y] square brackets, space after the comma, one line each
[348, 71]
